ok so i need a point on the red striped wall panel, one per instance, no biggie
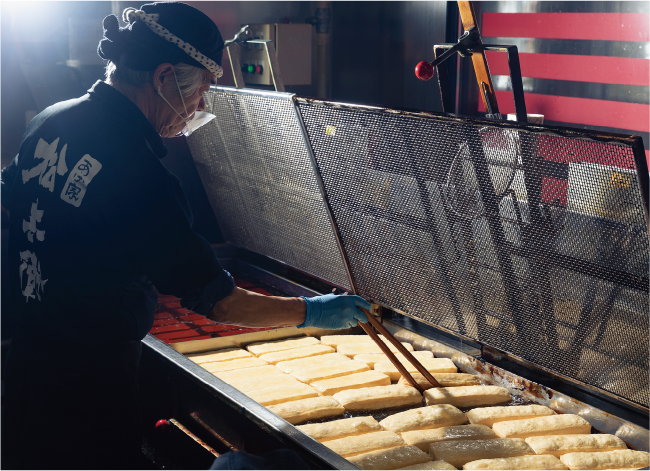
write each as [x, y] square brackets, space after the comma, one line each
[632, 116]
[581, 110]
[593, 26]
[599, 69]
[602, 110]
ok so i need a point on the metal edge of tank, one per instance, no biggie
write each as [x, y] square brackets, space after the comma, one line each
[258, 414]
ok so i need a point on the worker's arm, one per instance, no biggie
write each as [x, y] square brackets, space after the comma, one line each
[249, 309]
[151, 223]
[160, 242]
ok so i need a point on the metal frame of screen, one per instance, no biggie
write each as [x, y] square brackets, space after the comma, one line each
[485, 229]
[530, 246]
[255, 165]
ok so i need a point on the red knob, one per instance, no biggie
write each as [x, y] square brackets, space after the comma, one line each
[424, 70]
[163, 426]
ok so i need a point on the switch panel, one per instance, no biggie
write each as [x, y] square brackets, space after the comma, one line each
[293, 47]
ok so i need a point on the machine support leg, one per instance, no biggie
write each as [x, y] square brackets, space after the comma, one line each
[513, 294]
[475, 279]
[443, 82]
[517, 84]
[234, 54]
[425, 200]
[535, 238]
[275, 66]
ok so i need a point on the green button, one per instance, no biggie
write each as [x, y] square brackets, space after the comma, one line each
[251, 69]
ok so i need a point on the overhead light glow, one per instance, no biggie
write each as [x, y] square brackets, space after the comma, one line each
[37, 21]
[18, 8]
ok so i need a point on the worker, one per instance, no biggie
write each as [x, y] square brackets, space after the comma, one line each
[98, 227]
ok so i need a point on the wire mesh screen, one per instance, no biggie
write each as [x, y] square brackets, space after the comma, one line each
[534, 243]
[256, 170]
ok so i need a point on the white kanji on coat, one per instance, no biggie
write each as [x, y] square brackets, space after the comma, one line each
[30, 226]
[31, 281]
[52, 164]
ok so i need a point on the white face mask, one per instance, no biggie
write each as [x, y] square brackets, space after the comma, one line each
[199, 119]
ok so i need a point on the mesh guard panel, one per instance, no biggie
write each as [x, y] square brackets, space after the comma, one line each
[526, 240]
[257, 173]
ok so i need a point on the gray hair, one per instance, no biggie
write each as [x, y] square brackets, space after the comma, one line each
[189, 77]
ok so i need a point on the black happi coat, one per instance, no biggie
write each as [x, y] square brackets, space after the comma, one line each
[98, 225]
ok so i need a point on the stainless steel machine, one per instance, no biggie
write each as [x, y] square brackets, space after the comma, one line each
[518, 251]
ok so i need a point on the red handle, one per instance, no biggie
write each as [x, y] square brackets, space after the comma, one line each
[163, 426]
[424, 70]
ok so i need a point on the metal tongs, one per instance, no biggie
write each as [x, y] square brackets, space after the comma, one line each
[391, 356]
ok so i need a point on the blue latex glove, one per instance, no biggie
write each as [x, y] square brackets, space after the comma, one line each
[333, 311]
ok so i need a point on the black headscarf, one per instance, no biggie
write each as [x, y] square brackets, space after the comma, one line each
[139, 48]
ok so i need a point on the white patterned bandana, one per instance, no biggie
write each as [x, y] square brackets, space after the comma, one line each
[131, 14]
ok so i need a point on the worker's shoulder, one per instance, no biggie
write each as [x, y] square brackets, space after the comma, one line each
[80, 122]
[89, 127]
[58, 116]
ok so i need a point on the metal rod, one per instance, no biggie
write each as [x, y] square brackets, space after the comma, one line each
[580, 334]
[212, 432]
[445, 55]
[235, 64]
[275, 66]
[409, 357]
[484, 91]
[609, 303]
[184, 429]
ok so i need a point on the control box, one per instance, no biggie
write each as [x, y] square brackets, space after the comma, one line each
[293, 47]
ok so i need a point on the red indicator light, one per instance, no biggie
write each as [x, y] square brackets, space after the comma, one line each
[259, 70]
[424, 70]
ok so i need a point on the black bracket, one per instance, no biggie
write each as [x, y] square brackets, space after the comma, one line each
[470, 39]
[513, 65]
[242, 36]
